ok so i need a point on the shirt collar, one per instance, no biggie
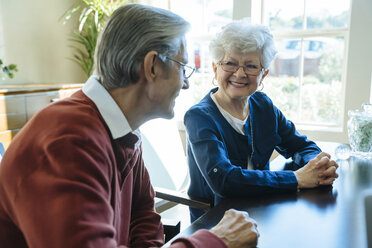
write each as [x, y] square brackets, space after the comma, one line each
[110, 111]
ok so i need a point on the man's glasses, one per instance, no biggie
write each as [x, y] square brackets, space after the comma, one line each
[187, 69]
[249, 69]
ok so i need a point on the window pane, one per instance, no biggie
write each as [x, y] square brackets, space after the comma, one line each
[320, 14]
[200, 81]
[184, 8]
[284, 14]
[321, 87]
[305, 78]
[327, 14]
[284, 92]
[206, 18]
[283, 83]
[316, 96]
[287, 61]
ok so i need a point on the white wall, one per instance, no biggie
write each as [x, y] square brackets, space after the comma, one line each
[32, 37]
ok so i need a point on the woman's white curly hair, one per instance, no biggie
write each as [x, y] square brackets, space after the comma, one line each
[241, 36]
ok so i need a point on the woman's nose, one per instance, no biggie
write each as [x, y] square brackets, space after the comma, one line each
[240, 72]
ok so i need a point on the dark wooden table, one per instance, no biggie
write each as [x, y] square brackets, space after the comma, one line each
[329, 217]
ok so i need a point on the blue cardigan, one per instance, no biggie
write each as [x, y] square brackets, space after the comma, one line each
[218, 155]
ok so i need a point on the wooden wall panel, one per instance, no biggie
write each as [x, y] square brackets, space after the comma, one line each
[7, 136]
[17, 106]
[36, 102]
[12, 104]
[12, 121]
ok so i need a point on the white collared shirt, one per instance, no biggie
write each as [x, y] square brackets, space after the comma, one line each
[110, 111]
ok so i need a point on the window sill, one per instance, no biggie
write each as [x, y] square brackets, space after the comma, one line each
[318, 128]
[324, 133]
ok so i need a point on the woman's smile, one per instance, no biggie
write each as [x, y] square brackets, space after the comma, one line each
[237, 84]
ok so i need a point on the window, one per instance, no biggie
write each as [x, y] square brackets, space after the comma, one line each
[208, 16]
[306, 80]
[323, 66]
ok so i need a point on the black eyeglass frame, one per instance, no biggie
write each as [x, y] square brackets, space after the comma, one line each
[221, 63]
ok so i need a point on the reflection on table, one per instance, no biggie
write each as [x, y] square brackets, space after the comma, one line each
[331, 216]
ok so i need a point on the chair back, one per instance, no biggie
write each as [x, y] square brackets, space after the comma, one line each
[2, 150]
[163, 154]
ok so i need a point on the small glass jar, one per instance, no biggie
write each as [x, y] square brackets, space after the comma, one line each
[359, 129]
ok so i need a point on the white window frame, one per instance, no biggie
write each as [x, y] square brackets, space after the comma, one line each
[357, 67]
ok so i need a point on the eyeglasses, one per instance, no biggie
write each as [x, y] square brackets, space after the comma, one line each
[187, 69]
[250, 69]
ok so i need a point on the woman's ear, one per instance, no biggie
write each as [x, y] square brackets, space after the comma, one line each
[149, 66]
[265, 74]
[214, 66]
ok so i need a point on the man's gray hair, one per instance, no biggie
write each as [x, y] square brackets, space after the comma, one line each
[129, 34]
[241, 36]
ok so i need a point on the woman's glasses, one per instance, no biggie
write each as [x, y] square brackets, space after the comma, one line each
[249, 69]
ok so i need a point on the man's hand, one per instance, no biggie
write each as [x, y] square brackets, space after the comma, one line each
[237, 229]
[319, 171]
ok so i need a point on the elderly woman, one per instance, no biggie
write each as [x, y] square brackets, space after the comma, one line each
[235, 128]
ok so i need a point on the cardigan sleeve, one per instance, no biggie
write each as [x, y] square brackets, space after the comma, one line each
[224, 178]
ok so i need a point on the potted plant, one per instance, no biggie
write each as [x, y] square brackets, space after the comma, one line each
[7, 70]
[92, 16]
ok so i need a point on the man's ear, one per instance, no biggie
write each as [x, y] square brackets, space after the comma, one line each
[149, 66]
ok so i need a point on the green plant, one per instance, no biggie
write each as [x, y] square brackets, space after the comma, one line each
[7, 69]
[92, 16]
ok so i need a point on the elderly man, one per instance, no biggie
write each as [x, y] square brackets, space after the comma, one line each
[74, 176]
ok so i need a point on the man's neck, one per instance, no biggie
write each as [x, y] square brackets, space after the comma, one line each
[133, 103]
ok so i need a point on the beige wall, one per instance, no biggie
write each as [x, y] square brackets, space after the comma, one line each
[32, 37]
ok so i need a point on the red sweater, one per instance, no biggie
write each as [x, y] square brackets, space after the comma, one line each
[65, 182]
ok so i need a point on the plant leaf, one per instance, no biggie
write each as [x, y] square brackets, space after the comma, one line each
[12, 67]
[92, 16]
[70, 11]
[84, 18]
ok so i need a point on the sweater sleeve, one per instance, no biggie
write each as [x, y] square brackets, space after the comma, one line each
[146, 228]
[201, 238]
[224, 178]
[62, 198]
